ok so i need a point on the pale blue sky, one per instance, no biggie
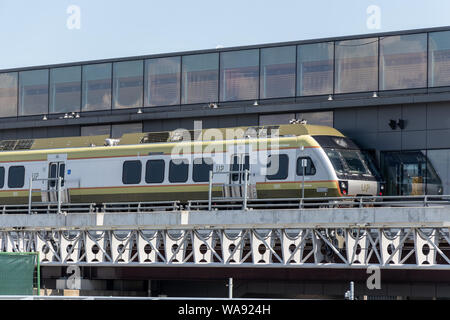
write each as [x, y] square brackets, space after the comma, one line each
[36, 33]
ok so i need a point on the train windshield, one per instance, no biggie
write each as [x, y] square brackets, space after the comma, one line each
[351, 164]
[347, 159]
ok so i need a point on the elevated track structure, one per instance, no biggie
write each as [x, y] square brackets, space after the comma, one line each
[354, 232]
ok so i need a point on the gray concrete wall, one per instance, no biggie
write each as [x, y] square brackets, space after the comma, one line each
[408, 216]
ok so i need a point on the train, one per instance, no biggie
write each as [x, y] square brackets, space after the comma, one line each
[266, 162]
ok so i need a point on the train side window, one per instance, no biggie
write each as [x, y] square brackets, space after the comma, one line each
[280, 168]
[62, 171]
[131, 173]
[235, 167]
[2, 177]
[310, 169]
[154, 171]
[202, 166]
[52, 174]
[178, 170]
[16, 176]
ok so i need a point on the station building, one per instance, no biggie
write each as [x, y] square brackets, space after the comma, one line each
[389, 92]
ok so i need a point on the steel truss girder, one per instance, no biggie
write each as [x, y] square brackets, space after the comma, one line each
[348, 247]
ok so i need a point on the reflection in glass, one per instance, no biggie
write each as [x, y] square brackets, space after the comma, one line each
[65, 89]
[315, 69]
[239, 75]
[128, 84]
[439, 59]
[323, 118]
[403, 62]
[97, 87]
[117, 130]
[279, 118]
[439, 162]
[277, 72]
[162, 81]
[200, 78]
[95, 130]
[410, 173]
[33, 92]
[8, 94]
[356, 66]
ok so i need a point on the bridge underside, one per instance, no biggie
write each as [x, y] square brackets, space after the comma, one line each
[249, 282]
[285, 253]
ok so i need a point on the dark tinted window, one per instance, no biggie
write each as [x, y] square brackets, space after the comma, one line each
[162, 81]
[65, 89]
[315, 68]
[235, 167]
[335, 142]
[201, 169]
[310, 169]
[128, 84]
[33, 92]
[131, 173]
[277, 72]
[52, 174]
[278, 166]
[356, 65]
[16, 176]
[154, 171]
[2, 177]
[8, 94]
[62, 170]
[239, 75]
[200, 78]
[178, 170]
[96, 87]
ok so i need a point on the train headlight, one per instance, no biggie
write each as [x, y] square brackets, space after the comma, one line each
[343, 186]
[382, 188]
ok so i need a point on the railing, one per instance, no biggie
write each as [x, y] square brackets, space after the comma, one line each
[242, 203]
[244, 185]
[329, 202]
[141, 206]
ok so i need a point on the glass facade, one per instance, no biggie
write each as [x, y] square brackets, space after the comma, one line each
[65, 89]
[403, 62]
[117, 130]
[200, 78]
[96, 130]
[128, 89]
[96, 87]
[439, 59]
[33, 92]
[315, 69]
[162, 81]
[8, 94]
[356, 65]
[277, 74]
[333, 67]
[239, 75]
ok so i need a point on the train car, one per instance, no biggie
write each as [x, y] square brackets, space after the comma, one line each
[285, 161]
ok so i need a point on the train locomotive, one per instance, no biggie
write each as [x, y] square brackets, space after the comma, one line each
[285, 161]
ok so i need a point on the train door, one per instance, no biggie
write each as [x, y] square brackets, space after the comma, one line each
[239, 163]
[56, 170]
